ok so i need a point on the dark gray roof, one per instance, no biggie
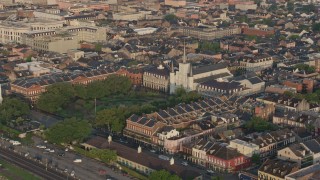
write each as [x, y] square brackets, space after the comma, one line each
[255, 80]
[204, 69]
[313, 145]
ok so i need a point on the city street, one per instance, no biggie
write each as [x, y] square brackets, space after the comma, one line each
[87, 169]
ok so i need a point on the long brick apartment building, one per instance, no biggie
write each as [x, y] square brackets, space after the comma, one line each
[32, 88]
[144, 128]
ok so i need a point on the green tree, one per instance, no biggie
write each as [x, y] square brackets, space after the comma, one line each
[308, 69]
[308, 8]
[98, 47]
[105, 155]
[209, 46]
[290, 6]
[256, 158]
[316, 27]
[294, 37]
[56, 96]
[273, 7]
[28, 59]
[68, 131]
[259, 124]
[81, 91]
[288, 94]
[12, 108]
[163, 175]
[171, 18]
[258, 2]
[112, 118]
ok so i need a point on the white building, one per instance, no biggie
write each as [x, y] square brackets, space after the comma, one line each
[189, 77]
[143, 31]
[13, 31]
[243, 147]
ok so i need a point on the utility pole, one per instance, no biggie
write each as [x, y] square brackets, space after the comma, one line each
[95, 106]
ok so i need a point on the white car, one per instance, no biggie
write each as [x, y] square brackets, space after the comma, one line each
[153, 151]
[51, 150]
[15, 143]
[210, 171]
[77, 160]
[41, 146]
[184, 163]
[26, 154]
[163, 157]
[72, 173]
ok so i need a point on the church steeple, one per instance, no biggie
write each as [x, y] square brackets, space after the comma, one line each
[1, 99]
[184, 53]
[172, 68]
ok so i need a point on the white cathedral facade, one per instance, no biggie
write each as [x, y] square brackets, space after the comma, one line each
[189, 77]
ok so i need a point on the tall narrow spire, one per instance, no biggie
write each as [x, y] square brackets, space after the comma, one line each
[190, 73]
[184, 52]
[1, 99]
[172, 68]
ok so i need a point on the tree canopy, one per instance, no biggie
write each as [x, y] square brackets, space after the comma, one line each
[12, 108]
[114, 118]
[316, 27]
[308, 69]
[68, 131]
[163, 175]
[209, 46]
[290, 6]
[60, 94]
[105, 155]
[56, 96]
[273, 7]
[258, 124]
[171, 18]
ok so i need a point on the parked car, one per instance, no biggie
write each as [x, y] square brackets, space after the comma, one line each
[153, 151]
[61, 154]
[41, 146]
[184, 163]
[210, 171]
[163, 157]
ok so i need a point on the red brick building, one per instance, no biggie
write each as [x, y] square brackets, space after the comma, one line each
[264, 111]
[135, 75]
[257, 32]
[304, 85]
[33, 87]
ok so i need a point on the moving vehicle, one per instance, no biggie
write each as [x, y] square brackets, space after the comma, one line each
[77, 160]
[41, 146]
[15, 143]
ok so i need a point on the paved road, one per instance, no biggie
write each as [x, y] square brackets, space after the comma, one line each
[87, 169]
[36, 168]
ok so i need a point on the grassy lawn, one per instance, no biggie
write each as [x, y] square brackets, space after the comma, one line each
[13, 172]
